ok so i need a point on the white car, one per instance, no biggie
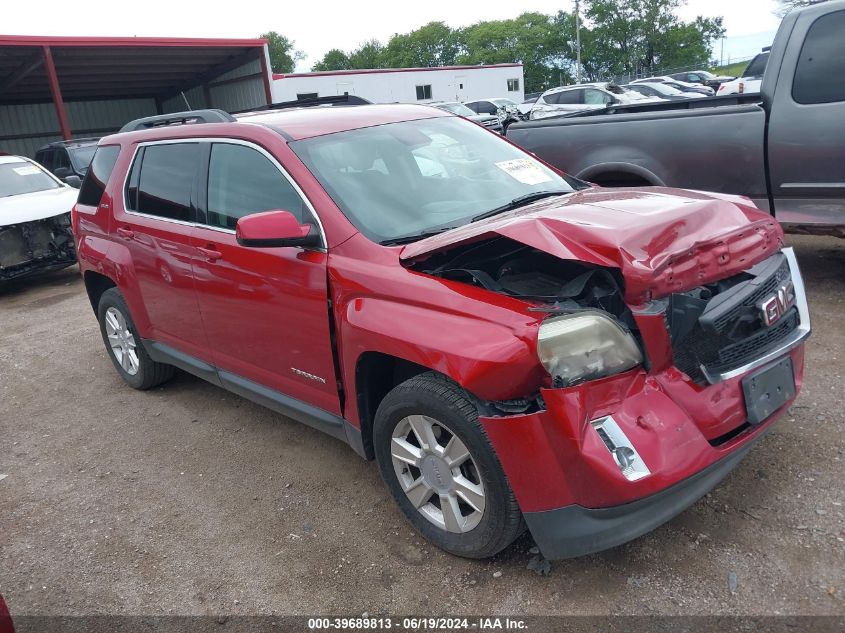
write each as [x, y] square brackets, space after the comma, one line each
[750, 80]
[580, 97]
[685, 86]
[35, 234]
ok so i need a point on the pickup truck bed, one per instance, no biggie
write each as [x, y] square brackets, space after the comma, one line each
[784, 148]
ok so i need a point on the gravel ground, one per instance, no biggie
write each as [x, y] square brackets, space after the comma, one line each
[189, 500]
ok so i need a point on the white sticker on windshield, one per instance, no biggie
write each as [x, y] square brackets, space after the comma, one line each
[524, 170]
[27, 170]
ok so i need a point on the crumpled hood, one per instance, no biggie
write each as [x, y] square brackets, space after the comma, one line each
[663, 240]
[38, 205]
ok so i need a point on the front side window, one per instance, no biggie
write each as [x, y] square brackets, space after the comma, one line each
[513, 85]
[162, 179]
[19, 177]
[242, 181]
[820, 74]
[423, 92]
[403, 179]
[94, 185]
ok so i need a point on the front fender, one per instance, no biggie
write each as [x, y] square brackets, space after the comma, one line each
[488, 359]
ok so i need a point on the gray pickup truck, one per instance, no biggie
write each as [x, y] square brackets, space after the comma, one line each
[784, 148]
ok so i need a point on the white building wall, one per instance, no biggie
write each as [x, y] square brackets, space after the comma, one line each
[400, 86]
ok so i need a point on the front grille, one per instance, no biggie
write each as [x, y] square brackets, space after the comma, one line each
[720, 327]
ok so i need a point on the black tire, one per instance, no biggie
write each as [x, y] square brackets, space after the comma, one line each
[149, 373]
[438, 398]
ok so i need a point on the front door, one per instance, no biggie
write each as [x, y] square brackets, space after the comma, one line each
[265, 310]
[806, 147]
[155, 227]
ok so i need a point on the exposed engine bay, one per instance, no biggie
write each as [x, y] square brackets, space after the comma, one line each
[36, 246]
[514, 269]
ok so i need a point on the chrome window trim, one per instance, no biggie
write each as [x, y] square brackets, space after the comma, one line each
[230, 141]
[794, 340]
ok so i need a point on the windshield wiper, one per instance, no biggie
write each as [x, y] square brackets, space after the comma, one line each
[519, 202]
[407, 239]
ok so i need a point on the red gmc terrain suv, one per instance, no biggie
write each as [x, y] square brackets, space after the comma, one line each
[514, 347]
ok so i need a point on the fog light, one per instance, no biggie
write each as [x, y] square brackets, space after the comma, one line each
[620, 447]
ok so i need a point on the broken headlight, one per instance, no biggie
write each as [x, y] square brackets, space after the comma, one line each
[586, 345]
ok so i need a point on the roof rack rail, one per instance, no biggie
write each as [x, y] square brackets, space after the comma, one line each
[332, 100]
[178, 118]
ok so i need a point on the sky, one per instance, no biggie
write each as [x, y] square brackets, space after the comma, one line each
[319, 26]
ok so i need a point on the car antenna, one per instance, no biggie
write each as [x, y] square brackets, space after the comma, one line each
[187, 105]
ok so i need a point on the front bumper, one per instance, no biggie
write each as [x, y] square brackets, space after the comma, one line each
[687, 436]
[35, 247]
[577, 531]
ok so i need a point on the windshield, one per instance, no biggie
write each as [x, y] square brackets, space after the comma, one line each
[757, 66]
[456, 108]
[23, 177]
[503, 103]
[81, 157]
[705, 74]
[402, 179]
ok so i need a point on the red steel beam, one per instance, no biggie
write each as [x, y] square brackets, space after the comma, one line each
[56, 92]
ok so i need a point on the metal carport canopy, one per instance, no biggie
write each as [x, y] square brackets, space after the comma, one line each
[35, 69]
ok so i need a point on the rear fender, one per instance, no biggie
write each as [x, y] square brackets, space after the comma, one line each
[639, 171]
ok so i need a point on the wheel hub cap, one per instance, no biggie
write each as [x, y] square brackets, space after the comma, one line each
[437, 474]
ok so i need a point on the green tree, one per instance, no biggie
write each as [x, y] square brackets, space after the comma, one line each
[283, 55]
[630, 37]
[335, 59]
[370, 54]
[536, 40]
[434, 44]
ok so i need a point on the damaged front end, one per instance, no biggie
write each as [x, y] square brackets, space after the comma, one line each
[590, 331]
[33, 247]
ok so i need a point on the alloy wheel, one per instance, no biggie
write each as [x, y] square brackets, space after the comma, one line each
[437, 473]
[122, 341]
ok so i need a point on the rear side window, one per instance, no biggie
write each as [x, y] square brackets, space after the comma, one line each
[162, 180]
[820, 74]
[94, 185]
[242, 181]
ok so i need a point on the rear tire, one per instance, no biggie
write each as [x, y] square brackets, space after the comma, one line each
[441, 469]
[124, 346]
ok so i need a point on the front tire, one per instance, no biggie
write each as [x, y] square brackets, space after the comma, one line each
[442, 470]
[124, 346]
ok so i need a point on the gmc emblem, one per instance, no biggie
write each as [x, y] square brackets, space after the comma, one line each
[775, 307]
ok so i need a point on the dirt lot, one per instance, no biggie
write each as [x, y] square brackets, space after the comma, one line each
[189, 500]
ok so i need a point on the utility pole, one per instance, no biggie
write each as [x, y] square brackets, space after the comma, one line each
[722, 56]
[577, 42]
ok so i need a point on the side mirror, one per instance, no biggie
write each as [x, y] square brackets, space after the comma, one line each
[73, 180]
[273, 229]
[62, 172]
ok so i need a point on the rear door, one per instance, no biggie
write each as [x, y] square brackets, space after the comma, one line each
[806, 150]
[265, 310]
[154, 224]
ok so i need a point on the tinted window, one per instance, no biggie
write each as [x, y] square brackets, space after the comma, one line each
[567, 96]
[164, 180]
[45, 157]
[97, 177]
[485, 107]
[242, 181]
[81, 156]
[820, 75]
[757, 66]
